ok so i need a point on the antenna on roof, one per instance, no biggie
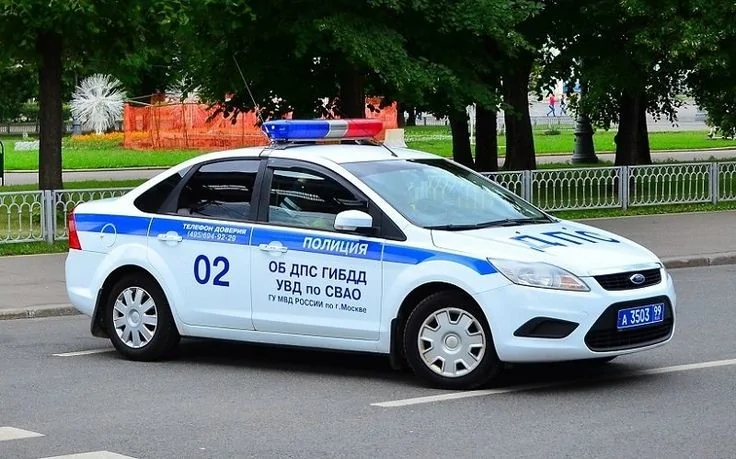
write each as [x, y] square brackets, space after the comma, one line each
[247, 87]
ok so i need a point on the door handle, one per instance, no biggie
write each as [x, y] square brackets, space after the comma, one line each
[273, 248]
[170, 237]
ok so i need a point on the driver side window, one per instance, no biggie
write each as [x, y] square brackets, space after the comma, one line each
[308, 199]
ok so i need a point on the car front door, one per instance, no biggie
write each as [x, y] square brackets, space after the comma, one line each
[309, 279]
[202, 237]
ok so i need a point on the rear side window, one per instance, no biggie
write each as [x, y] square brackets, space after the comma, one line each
[221, 190]
[152, 200]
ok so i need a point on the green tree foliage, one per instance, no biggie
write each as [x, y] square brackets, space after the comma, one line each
[630, 56]
[711, 46]
[318, 58]
[52, 33]
[16, 88]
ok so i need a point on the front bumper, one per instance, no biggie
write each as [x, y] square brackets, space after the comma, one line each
[575, 325]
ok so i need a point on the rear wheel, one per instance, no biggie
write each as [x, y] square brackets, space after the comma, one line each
[448, 343]
[138, 319]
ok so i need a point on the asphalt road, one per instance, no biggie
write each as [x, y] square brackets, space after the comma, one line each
[222, 400]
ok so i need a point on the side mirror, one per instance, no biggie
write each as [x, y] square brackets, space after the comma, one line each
[351, 220]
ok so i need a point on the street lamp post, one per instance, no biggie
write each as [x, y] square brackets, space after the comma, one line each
[584, 149]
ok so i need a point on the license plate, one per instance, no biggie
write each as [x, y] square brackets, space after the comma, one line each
[640, 316]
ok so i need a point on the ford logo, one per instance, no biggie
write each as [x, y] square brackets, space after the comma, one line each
[637, 279]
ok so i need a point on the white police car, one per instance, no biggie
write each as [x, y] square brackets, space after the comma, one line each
[359, 247]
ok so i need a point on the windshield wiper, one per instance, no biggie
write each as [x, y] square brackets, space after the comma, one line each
[453, 227]
[518, 222]
[504, 222]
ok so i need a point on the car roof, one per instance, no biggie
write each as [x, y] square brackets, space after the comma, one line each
[336, 153]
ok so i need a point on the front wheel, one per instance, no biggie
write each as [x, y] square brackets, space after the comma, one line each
[139, 320]
[448, 343]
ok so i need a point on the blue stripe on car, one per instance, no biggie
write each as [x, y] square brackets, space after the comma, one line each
[293, 239]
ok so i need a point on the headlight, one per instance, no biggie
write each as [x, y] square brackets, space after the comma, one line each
[542, 275]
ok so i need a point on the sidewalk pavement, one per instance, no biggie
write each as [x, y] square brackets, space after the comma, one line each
[33, 286]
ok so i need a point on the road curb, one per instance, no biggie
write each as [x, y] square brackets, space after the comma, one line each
[35, 312]
[715, 259]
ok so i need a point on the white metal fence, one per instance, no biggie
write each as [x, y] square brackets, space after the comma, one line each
[623, 186]
[41, 215]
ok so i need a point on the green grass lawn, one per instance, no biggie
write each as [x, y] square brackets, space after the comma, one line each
[100, 159]
[427, 139]
[433, 139]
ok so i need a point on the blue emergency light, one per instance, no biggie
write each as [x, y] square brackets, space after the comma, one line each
[304, 130]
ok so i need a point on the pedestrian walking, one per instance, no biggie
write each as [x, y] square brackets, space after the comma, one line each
[552, 102]
[563, 105]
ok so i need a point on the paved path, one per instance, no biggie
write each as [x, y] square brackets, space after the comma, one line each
[25, 178]
[680, 239]
[36, 283]
[22, 178]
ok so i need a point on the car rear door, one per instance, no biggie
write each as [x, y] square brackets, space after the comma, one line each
[202, 238]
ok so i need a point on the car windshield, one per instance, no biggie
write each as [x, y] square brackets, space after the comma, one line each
[438, 194]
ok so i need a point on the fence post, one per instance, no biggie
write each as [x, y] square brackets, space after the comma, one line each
[526, 185]
[48, 221]
[623, 189]
[714, 178]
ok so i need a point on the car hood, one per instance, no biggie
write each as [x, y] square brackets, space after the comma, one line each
[578, 248]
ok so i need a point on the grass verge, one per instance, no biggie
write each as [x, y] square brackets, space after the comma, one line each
[107, 158]
[32, 248]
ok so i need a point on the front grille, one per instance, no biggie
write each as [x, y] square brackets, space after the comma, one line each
[622, 281]
[604, 336]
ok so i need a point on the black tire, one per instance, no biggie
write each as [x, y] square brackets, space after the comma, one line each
[165, 336]
[487, 367]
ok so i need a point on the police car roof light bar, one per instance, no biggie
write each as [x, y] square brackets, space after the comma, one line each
[301, 130]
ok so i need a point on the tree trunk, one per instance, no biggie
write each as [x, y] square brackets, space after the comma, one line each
[519, 139]
[412, 119]
[628, 126]
[461, 152]
[352, 95]
[486, 140]
[643, 152]
[48, 46]
[400, 120]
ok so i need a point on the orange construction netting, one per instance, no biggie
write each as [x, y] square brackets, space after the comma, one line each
[187, 126]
